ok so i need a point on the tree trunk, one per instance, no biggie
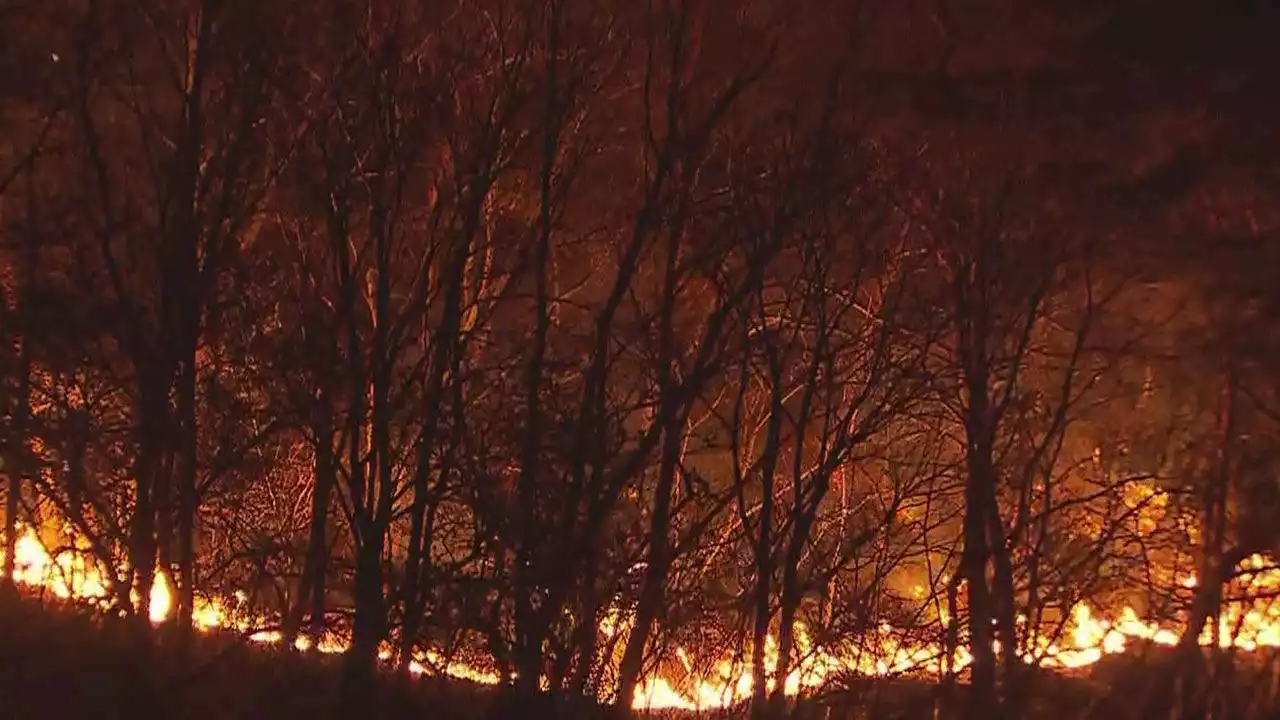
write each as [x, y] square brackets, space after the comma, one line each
[419, 554]
[181, 306]
[163, 501]
[187, 495]
[367, 628]
[149, 469]
[1215, 563]
[18, 464]
[11, 506]
[786, 642]
[357, 691]
[444, 362]
[763, 592]
[948, 707]
[764, 545]
[318, 543]
[418, 558]
[1004, 605]
[791, 596]
[586, 632]
[310, 601]
[530, 623]
[655, 577]
[982, 703]
[528, 651]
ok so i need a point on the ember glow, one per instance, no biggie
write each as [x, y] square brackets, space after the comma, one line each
[1089, 635]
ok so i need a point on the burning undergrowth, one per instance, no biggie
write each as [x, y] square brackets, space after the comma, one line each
[1084, 658]
[61, 659]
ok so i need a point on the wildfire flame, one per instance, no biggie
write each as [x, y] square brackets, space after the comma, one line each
[1246, 625]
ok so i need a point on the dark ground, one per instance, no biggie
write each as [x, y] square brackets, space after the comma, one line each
[66, 664]
[59, 662]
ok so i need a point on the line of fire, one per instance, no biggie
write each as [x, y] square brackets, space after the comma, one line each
[617, 358]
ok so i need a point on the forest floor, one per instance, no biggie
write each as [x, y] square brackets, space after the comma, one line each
[59, 662]
[63, 662]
